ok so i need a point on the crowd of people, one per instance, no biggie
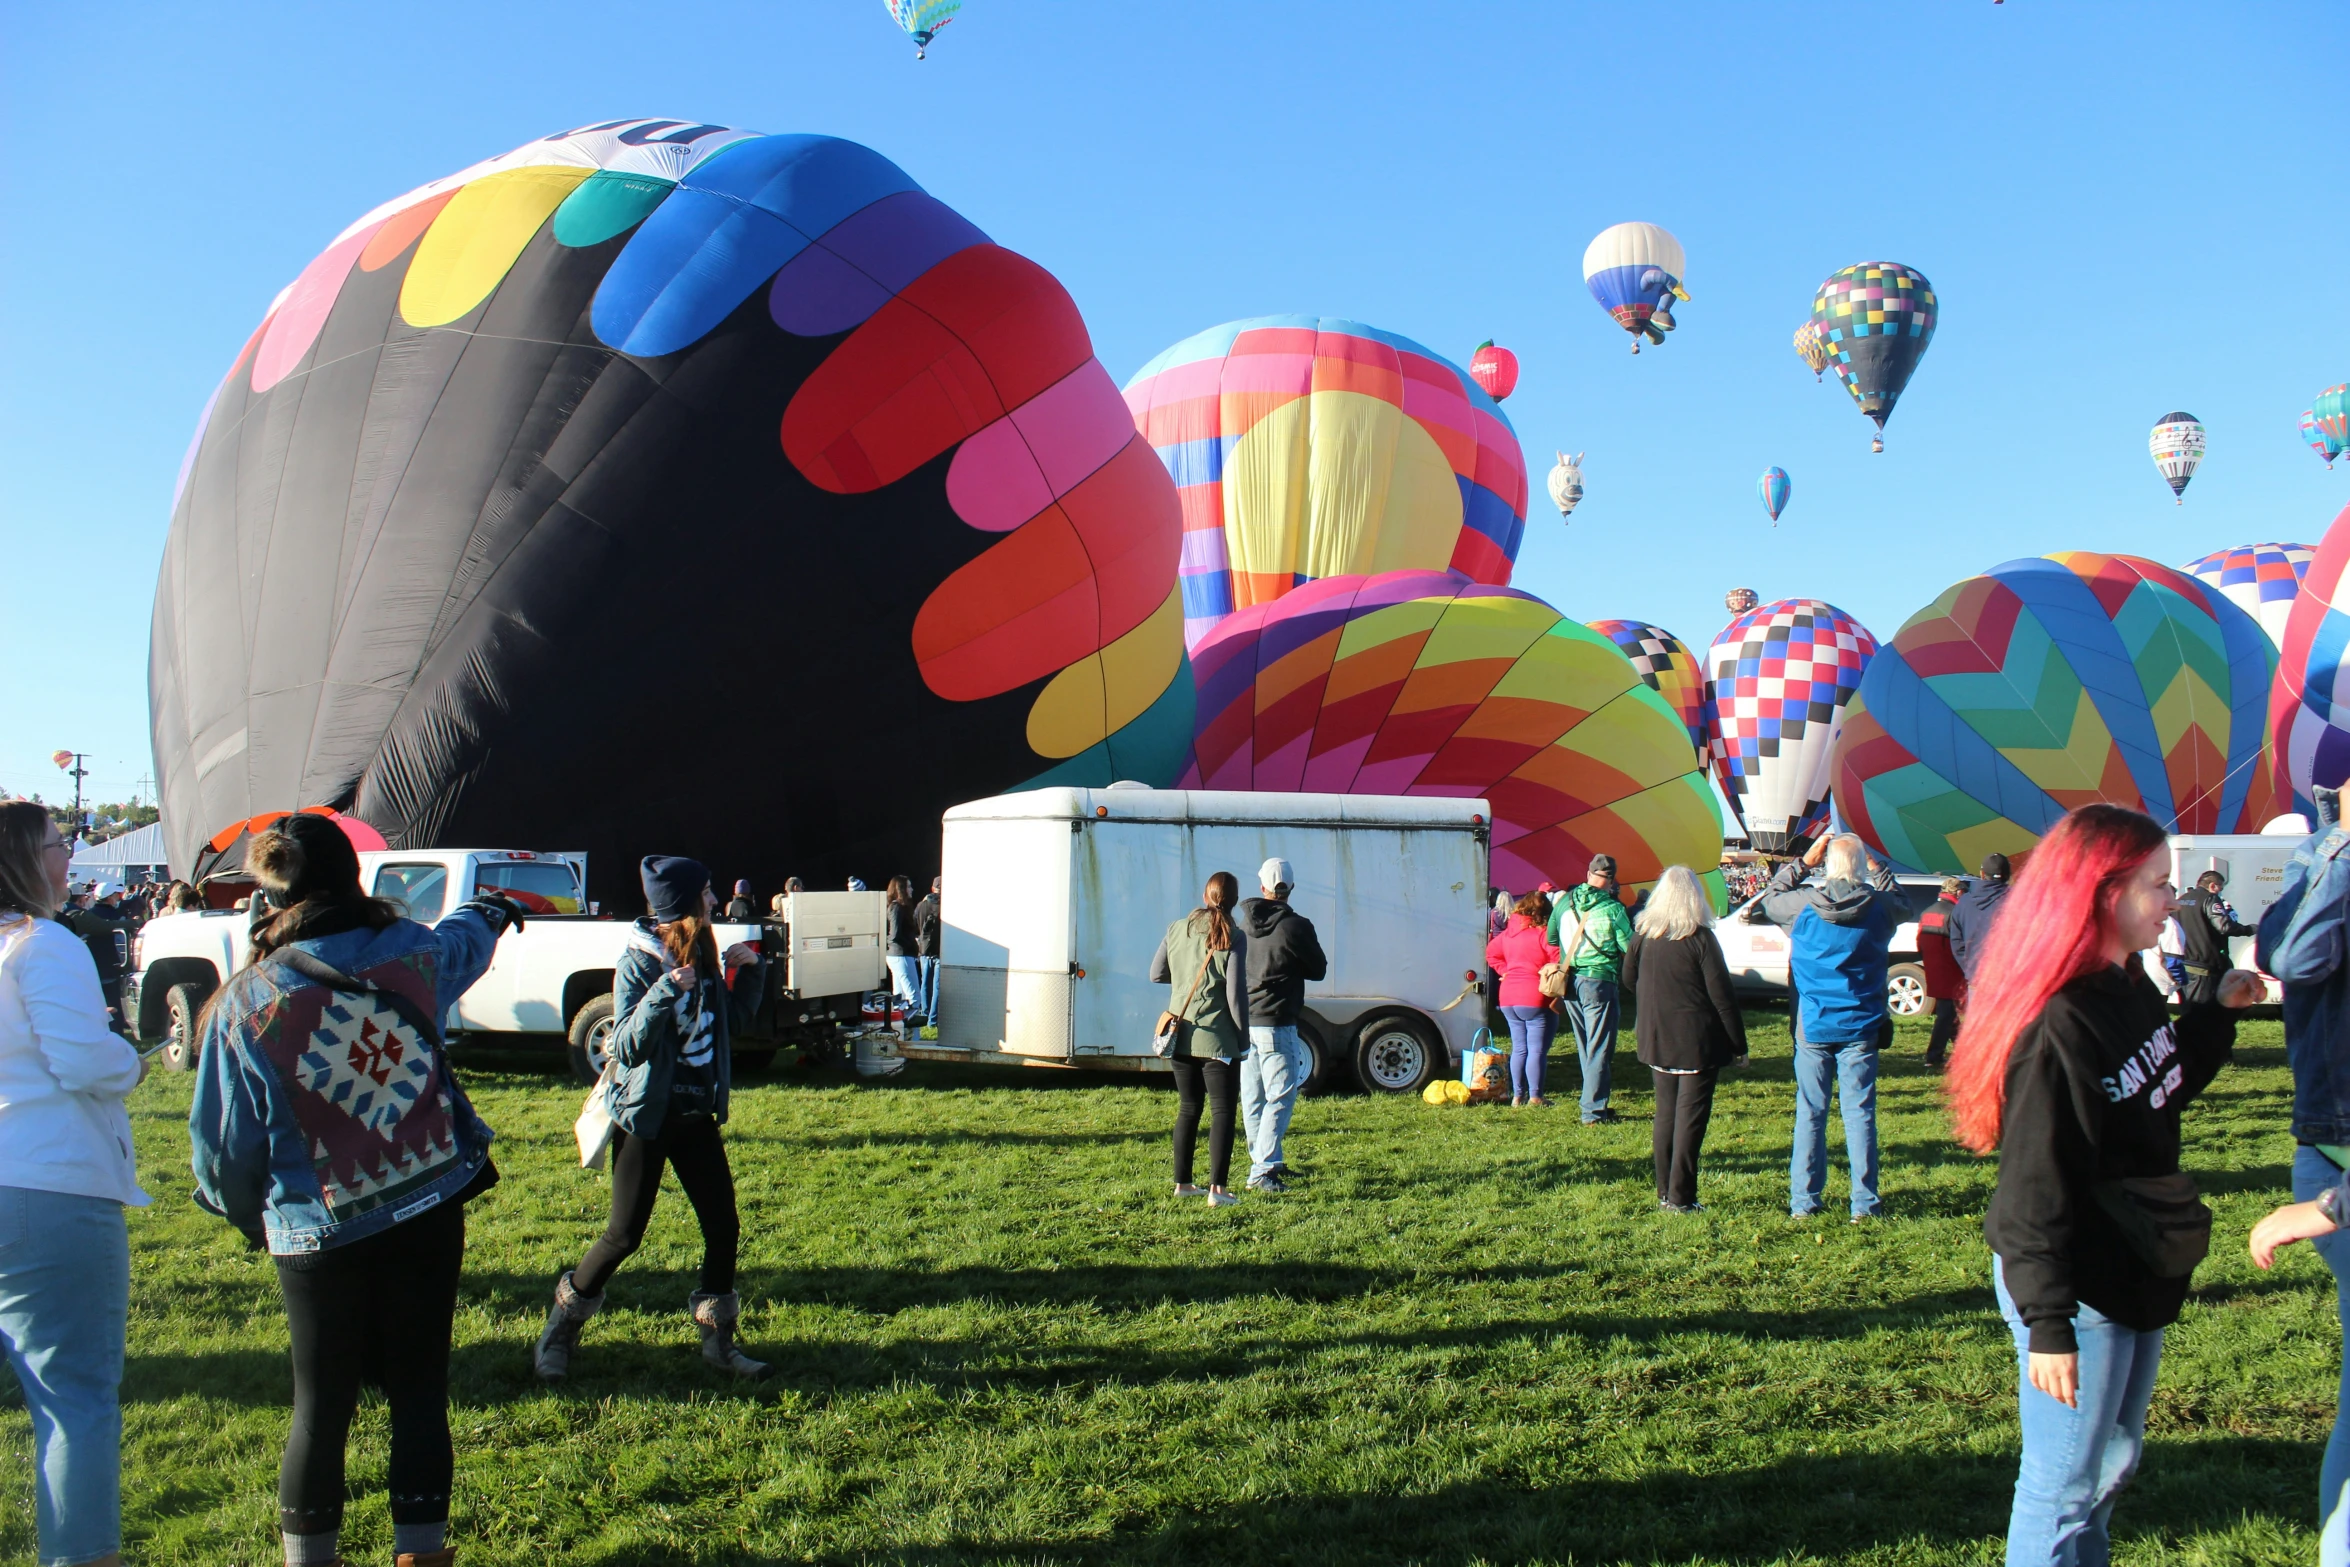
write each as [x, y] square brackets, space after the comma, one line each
[2069, 1061]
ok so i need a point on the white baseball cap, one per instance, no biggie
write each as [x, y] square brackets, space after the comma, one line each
[1275, 872]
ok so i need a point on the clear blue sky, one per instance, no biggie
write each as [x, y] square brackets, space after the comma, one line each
[2125, 208]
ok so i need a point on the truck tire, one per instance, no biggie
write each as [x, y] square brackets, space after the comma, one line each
[180, 1045]
[1905, 990]
[1397, 1053]
[591, 1028]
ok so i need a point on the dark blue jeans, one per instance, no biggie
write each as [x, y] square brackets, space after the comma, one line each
[1530, 1032]
[1591, 1013]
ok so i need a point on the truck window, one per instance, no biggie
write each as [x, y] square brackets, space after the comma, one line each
[540, 886]
[422, 891]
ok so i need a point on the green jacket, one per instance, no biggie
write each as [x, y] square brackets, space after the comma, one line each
[1218, 1009]
[1607, 931]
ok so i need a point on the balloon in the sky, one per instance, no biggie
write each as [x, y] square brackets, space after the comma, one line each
[2176, 445]
[1421, 682]
[1810, 349]
[2331, 414]
[1777, 682]
[1666, 663]
[2047, 684]
[1739, 600]
[1566, 483]
[2319, 442]
[1495, 369]
[540, 454]
[1875, 320]
[1633, 269]
[1306, 447]
[2309, 708]
[2262, 580]
[1774, 488]
[62, 758]
[922, 19]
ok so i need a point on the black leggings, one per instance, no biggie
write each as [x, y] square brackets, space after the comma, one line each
[376, 1311]
[694, 1149]
[1218, 1082]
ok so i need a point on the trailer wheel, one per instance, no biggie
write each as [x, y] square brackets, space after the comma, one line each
[1397, 1053]
[180, 1044]
[1905, 990]
[591, 1032]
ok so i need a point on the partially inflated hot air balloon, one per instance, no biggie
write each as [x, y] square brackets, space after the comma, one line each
[2309, 708]
[922, 19]
[1495, 369]
[1665, 662]
[1778, 680]
[1421, 682]
[2047, 684]
[2262, 580]
[1566, 484]
[2176, 445]
[1774, 488]
[1306, 447]
[1633, 269]
[2319, 442]
[549, 442]
[1810, 349]
[1875, 321]
[1739, 600]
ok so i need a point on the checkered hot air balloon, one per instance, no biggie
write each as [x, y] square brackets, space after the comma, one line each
[1666, 663]
[2176, 445]
[1876, 320]
[2262, 580]
[2309, 709]
[1778, 680]
[2051, 683]
[1810, 349]
[922, 19]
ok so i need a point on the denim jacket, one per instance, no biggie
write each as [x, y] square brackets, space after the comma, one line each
[2302, 943]
[307, 1134]
[648, 1009]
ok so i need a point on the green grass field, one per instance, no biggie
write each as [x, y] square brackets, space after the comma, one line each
[1469, 1338]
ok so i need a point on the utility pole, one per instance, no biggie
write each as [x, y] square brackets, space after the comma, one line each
[77, 772]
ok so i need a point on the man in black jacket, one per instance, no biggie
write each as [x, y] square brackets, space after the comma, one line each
[1977, 911]
[926, 950]
[106, 928]
[1283, 954]
[2206, 922]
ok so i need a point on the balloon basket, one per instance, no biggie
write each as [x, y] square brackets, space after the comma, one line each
[1877, 445]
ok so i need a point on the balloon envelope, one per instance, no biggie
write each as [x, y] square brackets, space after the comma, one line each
[2319, 440]
[1566, 484]
[1632, 269]
[1426, 683]
[1666, 664]
[1774, 488]
[922, 19]
[1876, 321]
[2331, 412]
[608, 490]
[2176, 445]
[1495, 369]
[1810, 349]
[1778, 680]
[1305, 447]
[2262, 580]
[2309, 709]
[2051, 683]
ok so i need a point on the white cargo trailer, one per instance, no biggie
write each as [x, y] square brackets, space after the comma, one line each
[1055, 900]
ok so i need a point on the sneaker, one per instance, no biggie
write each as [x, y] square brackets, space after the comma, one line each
[1186, 1189]
[1866, 1218]
[1289, 1174]
[1268, 1183]
[1682, 1207]
[1221, 1199]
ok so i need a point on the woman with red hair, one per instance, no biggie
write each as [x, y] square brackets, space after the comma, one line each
[2072, 1067]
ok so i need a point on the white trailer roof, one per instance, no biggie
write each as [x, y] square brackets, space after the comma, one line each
[1122, 802]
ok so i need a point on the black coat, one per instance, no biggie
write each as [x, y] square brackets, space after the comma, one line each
[2206, 922]
[1971, 920]
[1688, 1016]
[902, 939]
[926, 927]
[1282, 955]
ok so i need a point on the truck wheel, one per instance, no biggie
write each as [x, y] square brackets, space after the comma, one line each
[591, 1031]
[180, 1045]
[1905, 990]
[753, 1060]
[1397, 1053]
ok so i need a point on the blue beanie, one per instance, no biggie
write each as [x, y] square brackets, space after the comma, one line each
[674, 886]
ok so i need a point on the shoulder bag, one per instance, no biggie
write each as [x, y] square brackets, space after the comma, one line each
[1555, 976]
[1173, 1028]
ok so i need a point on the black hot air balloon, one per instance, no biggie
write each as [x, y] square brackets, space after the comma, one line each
[1875, 321]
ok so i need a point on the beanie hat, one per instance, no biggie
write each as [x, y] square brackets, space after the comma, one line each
[303, 856]
[673, 886]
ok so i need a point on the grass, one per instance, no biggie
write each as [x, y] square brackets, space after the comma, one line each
[1469, 1339]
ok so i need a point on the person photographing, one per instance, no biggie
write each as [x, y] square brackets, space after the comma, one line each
[1281, 955]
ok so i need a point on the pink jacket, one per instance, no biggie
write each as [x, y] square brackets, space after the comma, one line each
[1517, 955]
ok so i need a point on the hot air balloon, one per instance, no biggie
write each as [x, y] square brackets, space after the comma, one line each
[1495, 369]
[2176, 445]
[2331, 412]
[1632, 269]
[1810, 349]
[1421, 682]
[63, 759]
[2051, 683]
[1665, 662]
[922, 20]
[515, 439]
[1306, 447]
[1739, 600]
[1778, 680]
[1774, 488]
[2309, 707]
[1566, 483]
[2319, 442]
[2262, 580]
[1875, 320]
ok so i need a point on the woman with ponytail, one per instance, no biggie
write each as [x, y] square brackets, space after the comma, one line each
[2072, 1067]
[1203, 962]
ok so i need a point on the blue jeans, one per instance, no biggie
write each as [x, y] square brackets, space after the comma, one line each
[1852, 1068]
[1591, 1013]
[2076, 1461]
[1530, 1032]
[2313, 1172]
[905, 984]
[65, 1289]
[926, 988]
[1271, 1074]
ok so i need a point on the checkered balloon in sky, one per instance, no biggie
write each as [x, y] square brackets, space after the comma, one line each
[1876, 321]
[1778, 680]
[2262, 580]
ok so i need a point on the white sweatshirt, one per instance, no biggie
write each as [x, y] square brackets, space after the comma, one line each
[63, 1073]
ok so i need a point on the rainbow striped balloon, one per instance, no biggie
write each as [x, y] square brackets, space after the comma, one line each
[1422, 682]
[1305, 447]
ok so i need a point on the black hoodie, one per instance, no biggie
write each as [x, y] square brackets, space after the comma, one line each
[1282, 956]
[1969, 926]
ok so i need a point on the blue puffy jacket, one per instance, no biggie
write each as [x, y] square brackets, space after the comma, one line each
[312, 1127]
[1839, 937]
[651, 1014]
[2303, 941]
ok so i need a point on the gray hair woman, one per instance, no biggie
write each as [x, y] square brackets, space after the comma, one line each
[1689, 1026]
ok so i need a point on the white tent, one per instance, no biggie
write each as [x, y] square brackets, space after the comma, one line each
[139, 852]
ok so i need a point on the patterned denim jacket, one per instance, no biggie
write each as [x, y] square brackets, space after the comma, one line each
[307, 1131]
[2305, 943]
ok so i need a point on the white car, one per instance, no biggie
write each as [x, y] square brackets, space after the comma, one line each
[1757, 951]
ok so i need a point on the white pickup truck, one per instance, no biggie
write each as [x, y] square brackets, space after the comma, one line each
[553, 977]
